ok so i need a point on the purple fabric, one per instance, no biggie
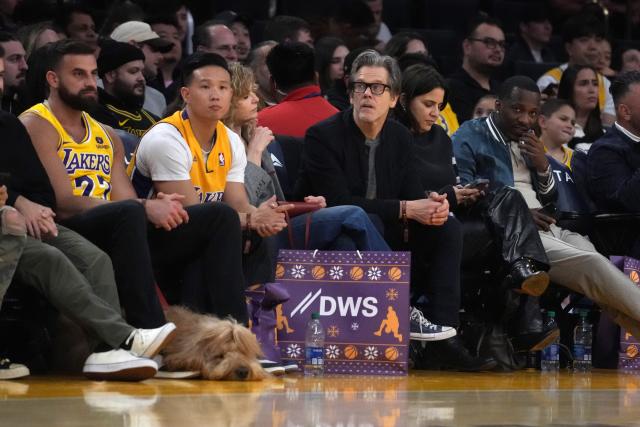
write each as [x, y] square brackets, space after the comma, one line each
[262, 303]
[363, 301]
[629, 357]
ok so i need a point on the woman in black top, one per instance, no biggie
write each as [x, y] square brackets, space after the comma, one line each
[499, 215]
[423, 97]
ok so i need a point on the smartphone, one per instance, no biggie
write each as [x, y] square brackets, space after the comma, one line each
[5, 177]
[479, 183]
[549, 210]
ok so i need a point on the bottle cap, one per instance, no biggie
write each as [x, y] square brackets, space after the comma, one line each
[551, 313]
[315, 315]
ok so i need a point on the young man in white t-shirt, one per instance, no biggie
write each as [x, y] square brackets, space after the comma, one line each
[194, 154]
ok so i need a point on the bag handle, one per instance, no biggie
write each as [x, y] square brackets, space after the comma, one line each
[307, 230]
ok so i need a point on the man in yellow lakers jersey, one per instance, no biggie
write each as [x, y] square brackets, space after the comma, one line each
[581, 35]
[84, 161]
[194, 154]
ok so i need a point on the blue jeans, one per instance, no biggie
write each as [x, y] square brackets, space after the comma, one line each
[340, 228]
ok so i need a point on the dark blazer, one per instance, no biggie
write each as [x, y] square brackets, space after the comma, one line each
[613, 170]
[335, 165]
[28, 177]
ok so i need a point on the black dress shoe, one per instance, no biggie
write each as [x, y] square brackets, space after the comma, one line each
[523, 277]
[534, 341]
[451, 354]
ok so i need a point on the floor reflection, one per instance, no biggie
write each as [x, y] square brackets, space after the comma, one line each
[490, 400]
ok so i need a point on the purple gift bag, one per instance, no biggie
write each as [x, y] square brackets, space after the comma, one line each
[363, 302]
[629, 357]
[262, 305]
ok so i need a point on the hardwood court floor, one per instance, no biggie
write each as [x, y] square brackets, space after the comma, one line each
[602, 398]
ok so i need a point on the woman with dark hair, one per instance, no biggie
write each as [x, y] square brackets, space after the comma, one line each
[423, 97]
[405, 42]
[330, 53]
[494, 232]
[579, 86]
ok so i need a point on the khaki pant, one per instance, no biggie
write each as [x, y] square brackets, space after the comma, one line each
[576, 265]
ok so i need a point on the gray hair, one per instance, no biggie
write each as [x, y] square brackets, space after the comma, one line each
[371, 58]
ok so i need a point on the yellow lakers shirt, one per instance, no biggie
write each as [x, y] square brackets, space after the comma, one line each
[88, 162]
[169, 151]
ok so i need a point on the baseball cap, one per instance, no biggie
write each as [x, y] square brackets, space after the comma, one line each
[140, 32]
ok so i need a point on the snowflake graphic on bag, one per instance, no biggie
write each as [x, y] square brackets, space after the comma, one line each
[332, 352]
[294, 350]
[374, 273]
[370, 352]
[298, 271]
[336, 272]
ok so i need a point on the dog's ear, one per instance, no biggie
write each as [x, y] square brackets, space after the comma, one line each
[246, 341]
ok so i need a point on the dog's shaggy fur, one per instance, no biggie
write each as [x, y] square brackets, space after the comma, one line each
[219, 349]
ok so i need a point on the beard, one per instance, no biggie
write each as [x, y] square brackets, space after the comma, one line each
[127, 96]
[79, 101]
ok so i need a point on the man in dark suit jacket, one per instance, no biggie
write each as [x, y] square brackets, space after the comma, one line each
[613, 164]
[361, 157]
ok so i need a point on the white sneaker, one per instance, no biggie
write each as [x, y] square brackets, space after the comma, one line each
[11, 371]
[290, 367]
[274, 368]
[118, 365]
[174, 375]
[148, 342]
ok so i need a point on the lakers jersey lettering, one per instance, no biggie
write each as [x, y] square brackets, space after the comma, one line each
[88, 163]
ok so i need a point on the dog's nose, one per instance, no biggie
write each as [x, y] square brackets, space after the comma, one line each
[242, 373]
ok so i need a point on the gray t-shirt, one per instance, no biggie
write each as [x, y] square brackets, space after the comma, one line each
[371, 178]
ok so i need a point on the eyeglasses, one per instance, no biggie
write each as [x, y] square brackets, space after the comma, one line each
[491, 43]
[376, 88]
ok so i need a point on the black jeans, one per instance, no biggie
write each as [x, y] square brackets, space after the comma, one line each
[198, 264]
[436, 254]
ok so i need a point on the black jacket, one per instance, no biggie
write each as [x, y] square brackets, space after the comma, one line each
[335, 165]
[435, 163]
[613, 169]
[19, 159]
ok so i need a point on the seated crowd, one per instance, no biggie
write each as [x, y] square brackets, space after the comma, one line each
[143, 164]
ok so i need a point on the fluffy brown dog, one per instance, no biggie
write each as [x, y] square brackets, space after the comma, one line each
[219, 349]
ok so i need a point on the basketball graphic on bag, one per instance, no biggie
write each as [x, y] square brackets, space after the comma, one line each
[279, 271]
[317, 272]
[632, 351]
[391, 353]
[634, 276]
[351, 352]
[394, 274]
[356, 273]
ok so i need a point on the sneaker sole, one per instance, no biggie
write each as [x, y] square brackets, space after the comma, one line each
[165, 336]
[535, 285]
[291, 368]
[178, 375]
[276, 371]
[546, 340]
[416, 336]
[126, 371]
[13, 373]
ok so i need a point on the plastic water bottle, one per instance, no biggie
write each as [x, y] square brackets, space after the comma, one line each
[550, 361]
[314, 347]
[582, 339]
